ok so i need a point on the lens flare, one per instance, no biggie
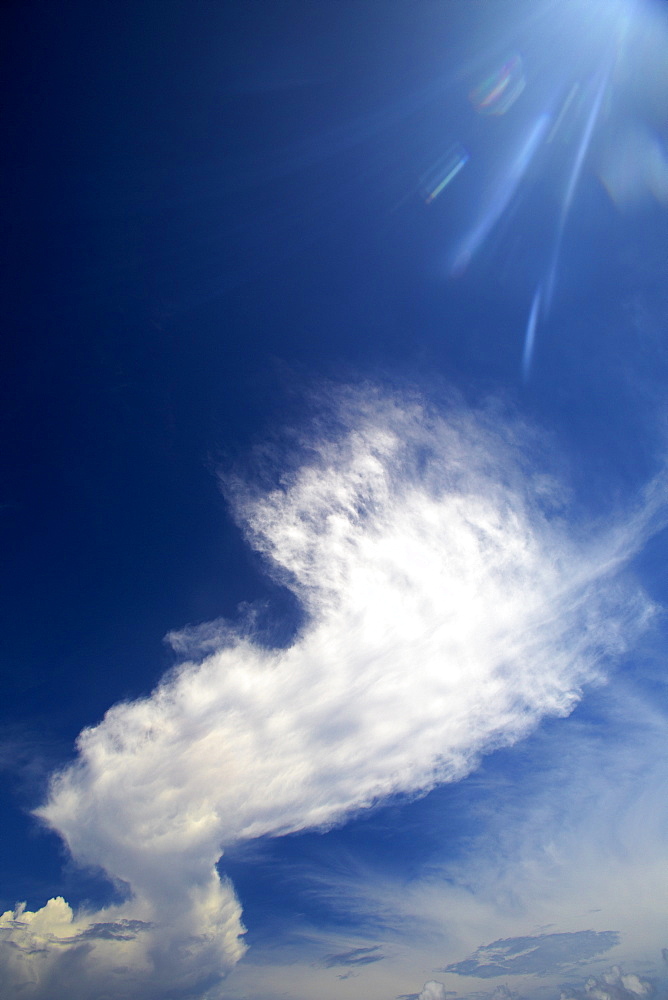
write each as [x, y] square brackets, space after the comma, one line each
[499, 91]
[445, 170]
[593, 81]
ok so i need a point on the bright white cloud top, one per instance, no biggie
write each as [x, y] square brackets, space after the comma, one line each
[449, 604]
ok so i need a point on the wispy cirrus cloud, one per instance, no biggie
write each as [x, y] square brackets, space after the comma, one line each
[449, 606]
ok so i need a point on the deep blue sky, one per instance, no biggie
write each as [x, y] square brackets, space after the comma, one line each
[212, 209]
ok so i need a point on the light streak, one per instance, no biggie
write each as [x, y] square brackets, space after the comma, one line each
[448, 177]
[530, 335]
[573, 180]
[583, 148]
[501, 196]
[562, 114]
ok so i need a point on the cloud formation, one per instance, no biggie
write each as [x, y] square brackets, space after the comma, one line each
[354, 957]
[449, 606]
[538, 954]
[612, 985]
[433, 990]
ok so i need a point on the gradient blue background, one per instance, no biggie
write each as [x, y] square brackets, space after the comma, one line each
[209, 206]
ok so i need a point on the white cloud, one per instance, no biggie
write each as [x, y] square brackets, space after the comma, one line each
[612, 985]
[449, 608]
[121, 952]
[433, 990]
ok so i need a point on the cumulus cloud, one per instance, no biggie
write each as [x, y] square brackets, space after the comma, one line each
[53, 953]
[433, 990]
[612, 985]
[448, 607]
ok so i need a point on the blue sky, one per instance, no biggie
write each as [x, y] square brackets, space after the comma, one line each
[333, 501]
